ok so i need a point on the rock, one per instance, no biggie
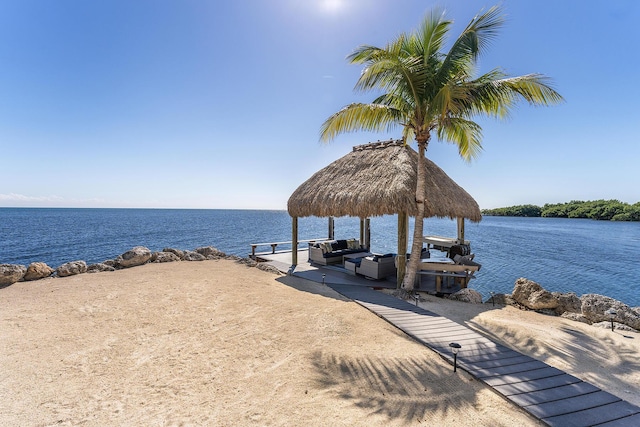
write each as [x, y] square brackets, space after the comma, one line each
[467, 295]
[248, 262]
[111, 263]
[594, 307]
[71, 268]
[577, 317]
[567, 303]
[11, 273]
[176, 252]
[99, 267]
[210, 252]
[134, 257]
[532, 295]
[193, 256]
[38, 270]
[164, 257]
[268, 268]
[499, 299]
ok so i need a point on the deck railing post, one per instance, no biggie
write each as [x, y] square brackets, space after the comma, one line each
[294, 240]
[401, 262]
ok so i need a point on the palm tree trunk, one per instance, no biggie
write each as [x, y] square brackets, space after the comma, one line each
[418, 228]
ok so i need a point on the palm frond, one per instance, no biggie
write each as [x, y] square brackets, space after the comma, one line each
[473, 41]
[465, 134]
[432, 34]
[495, 95]
[365, 117]
[534, 88]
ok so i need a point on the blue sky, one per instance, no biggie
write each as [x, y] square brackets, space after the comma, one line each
[218, 104]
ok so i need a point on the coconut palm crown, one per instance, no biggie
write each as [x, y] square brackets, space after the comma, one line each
[426, 91]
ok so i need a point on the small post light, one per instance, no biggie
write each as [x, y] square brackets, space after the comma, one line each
[323, 278]
[493, 302]
[612, 314]
[455, 347]
[416, 297]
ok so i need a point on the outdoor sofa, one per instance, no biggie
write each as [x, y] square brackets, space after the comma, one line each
[332, 251]
[377, 266]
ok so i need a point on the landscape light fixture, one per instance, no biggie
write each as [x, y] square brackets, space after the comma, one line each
[455, 347]
[611, 313]
[323, 278]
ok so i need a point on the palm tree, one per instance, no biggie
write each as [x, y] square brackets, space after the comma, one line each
[426, 92]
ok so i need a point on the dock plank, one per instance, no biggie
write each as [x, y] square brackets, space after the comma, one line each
[551, 394]
[594, 416]
[630, 421]
[572, 404]
[509, 369]
[536, 385]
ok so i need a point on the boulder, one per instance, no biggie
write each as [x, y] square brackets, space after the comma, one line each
[71, 268]
[499, 299]
[268, 268]
[594, 307]
[164, 257]
[99, 267]
[193, 256]
[467, 295]
[11, 273]
[567, 303]
[577, 317]
[134, 257]
[210, 252]
[177, 252]
[532, 295]
[111, 263]
[248, 262]
[38, 270]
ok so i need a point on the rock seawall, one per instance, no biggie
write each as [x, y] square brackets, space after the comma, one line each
[139, 255]
[589, 308]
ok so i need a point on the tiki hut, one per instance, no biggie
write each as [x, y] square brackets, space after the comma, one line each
[380, 179]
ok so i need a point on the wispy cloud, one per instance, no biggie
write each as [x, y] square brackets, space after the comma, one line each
[21, 200]
[13, 197]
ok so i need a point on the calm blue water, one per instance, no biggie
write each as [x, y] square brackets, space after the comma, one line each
[566, 255]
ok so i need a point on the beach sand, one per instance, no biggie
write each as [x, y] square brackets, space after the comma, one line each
[218, 343]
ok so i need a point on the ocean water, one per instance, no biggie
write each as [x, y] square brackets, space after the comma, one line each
[565, 255]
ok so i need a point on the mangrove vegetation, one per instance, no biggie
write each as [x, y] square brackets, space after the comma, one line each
[607, 210]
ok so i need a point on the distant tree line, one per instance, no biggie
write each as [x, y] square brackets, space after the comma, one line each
[608, 210]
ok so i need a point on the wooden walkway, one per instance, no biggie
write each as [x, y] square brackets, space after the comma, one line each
[547, 393]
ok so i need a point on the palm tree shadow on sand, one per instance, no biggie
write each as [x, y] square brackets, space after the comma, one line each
[405, 390]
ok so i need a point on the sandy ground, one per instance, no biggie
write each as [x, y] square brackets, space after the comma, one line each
[221, 344]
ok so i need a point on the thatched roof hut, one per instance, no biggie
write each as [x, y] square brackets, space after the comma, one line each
[380, 179]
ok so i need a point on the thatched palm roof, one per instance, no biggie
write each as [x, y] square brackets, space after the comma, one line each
[380, 179]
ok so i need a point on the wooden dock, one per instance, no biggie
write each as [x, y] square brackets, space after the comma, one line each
[547, 393]
[338, 274]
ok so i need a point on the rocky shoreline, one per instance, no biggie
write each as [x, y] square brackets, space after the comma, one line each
[139, 255]
[592, 309]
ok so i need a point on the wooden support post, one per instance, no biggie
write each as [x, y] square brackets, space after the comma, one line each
[362, 237]
[403, 226]
[331, 233]
[294, 241]
[367, 233]
[460, 231]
